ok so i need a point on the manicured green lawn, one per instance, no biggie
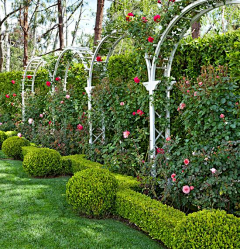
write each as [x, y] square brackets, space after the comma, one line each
[34, 214]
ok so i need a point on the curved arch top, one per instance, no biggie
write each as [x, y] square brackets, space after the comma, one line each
[29, 76]
[173, 34]
[111, 41]
[189, 14]
[83, 53]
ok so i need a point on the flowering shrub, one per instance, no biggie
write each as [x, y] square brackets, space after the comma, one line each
[202, 171]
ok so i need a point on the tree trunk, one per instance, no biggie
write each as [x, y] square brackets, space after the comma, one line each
[196, 30]
[1, 50]
[99, 20]
[25, 36]
[60, 24]
[76, 26]
[8, 53]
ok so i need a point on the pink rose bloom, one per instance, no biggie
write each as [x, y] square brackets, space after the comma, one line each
[122, 103]
[237, 103]
[41, 115]
[140, 112]
[186, 161]
[159, 1]
[49, 122]
[57, 78]
[218, 77]
[79, 127]
[150, 39]
[222, 116]
[213, 170]
[67, 96]
[157, 18]
[160, 151]
[173, 175]
[30, 120]
[195, 94]
[187, 82]
[174, 179]
[126, 134]
[134, 113]
[48, 83]
[29, 77]
[182, 106]
[144, 19]
[168, 139]
[130, 14]
[13, 81]
[200, 83]
[7, 96]
[0, 123]
[61, 102]
[19, 135]
[136, 80]
[186, 189]
[99, 58]
[188, 91]
[191, 188]
[178, 108]
[14, 95]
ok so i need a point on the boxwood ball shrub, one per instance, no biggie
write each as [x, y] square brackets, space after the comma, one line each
[3, 137]
[92, 192]
[208, 229]
[43, 162]
[12, 146]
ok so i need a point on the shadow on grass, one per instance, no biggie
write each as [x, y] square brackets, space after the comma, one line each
[34, 214]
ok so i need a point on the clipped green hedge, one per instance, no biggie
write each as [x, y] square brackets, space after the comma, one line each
[11, 133]
[207, 229]
[3, 137]
[27, 149]
[204, 229]
[92, 192]
[75, 163]
[214, 50]
[42, 162]
[153, 217]
[12, 146]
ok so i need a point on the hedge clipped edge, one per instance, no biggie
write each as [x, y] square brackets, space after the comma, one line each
[207, 229]
[27, 149]
[153, 217]
[76, 163]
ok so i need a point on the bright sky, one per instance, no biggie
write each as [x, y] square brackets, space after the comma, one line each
[88, 22]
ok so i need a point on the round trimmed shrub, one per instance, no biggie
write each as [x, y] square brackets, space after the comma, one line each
[208, 229]
[12, 146]
[92, 192]
[3, 137]
[43, 162]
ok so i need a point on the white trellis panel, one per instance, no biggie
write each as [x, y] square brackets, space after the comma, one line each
[105, 49]
[189, 15]
[29, 83]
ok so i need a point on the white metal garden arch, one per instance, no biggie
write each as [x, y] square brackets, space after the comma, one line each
[173, 33]
[104, 49]
[28, 80]
[82, 53]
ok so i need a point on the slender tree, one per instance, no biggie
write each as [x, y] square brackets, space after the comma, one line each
[60, 24]
[99, 20]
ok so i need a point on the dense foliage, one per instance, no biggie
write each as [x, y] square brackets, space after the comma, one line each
[92, 192]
